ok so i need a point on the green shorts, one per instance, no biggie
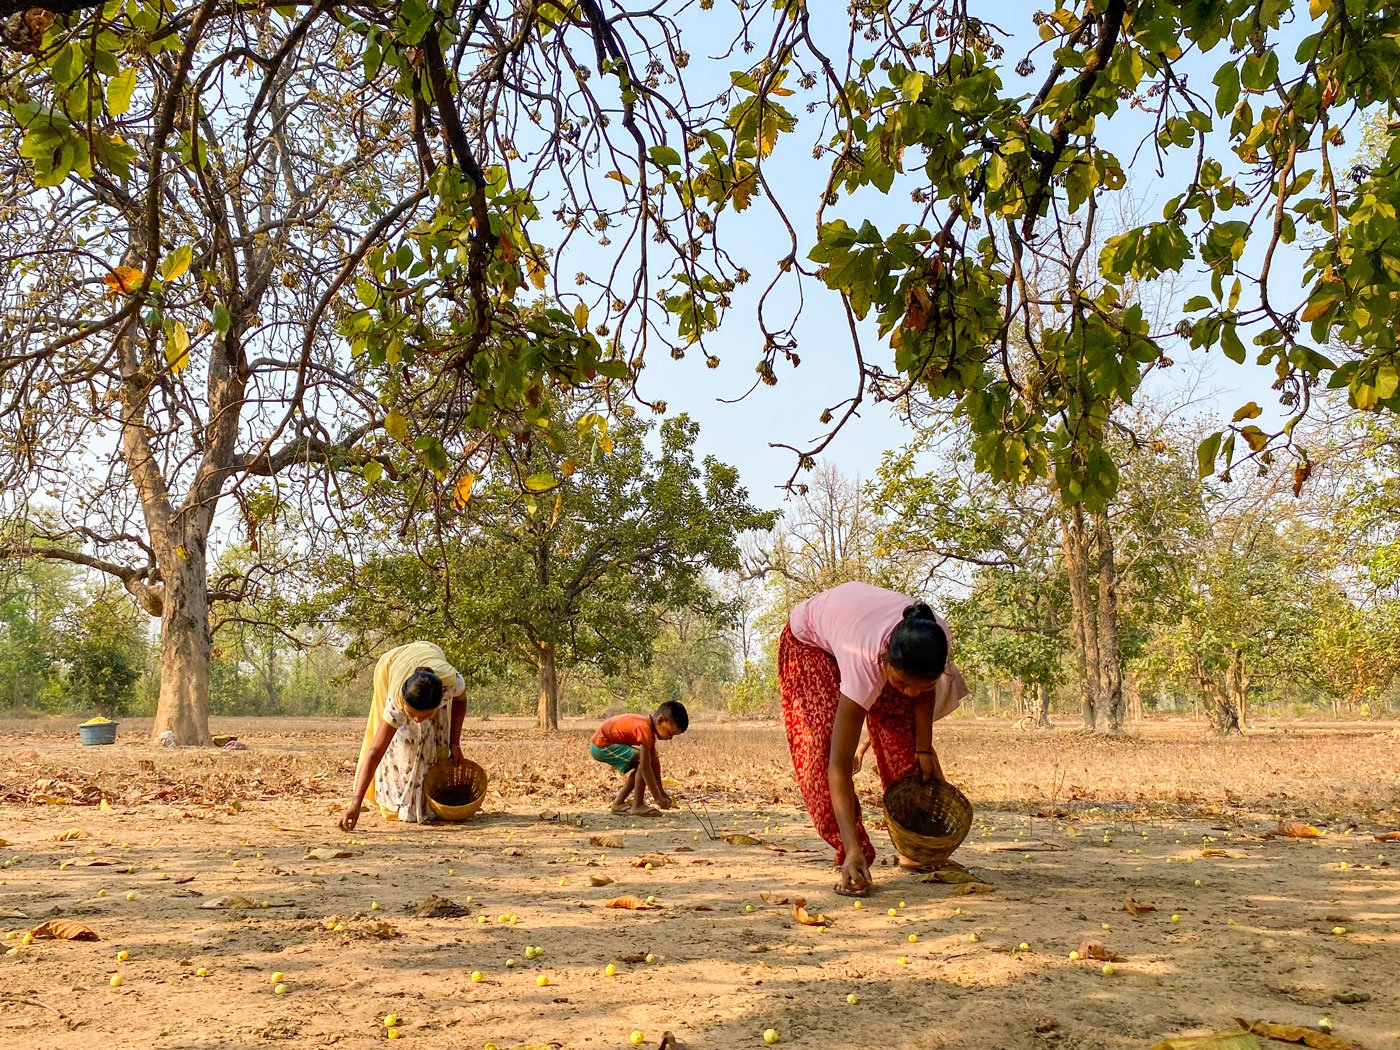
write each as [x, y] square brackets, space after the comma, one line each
[622, 757]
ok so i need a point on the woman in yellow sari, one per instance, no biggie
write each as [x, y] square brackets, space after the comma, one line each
[408, 732]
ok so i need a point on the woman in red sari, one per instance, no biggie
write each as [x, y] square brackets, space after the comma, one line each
[855, 656]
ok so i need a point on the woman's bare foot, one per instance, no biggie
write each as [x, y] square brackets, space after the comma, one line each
[644, 811]
[621, 809]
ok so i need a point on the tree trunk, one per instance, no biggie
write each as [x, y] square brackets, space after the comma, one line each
[183, 707]
[549, 687]
[1042, 707]
[1086, 648]
[1110, 662]
[1237, 689]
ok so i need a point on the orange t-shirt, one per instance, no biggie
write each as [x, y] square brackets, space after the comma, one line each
[626, 729]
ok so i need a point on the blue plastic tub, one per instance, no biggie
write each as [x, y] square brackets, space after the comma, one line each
[105, 733]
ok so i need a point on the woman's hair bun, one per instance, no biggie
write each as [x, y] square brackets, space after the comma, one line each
[919, 611]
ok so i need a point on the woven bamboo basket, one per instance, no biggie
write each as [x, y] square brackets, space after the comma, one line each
[927, 821]
[455, 790]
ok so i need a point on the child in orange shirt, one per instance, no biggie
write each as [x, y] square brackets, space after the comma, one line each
[628, 744]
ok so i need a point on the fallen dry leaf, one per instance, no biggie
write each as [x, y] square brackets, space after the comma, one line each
[656, 860]
[93, 862]
[1214, 1041]
[631, 903]
[229, 902]
[803, 917]
[327, 853]
[64, 930]
[607, 841]
[743, 840]
[968, 888]
[436, 907]
[668, 1042]
[512, 851]
[1092, 948]
[1212, 852]
[1294, 1033]
[953, 874]
[1133, 907]
[703, 907]
[599, 880]
[773, 898]
[1388, 836]
[70, 835]
[636, 957]
[1297, 830]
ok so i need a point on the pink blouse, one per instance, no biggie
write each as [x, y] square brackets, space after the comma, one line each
[853, 622]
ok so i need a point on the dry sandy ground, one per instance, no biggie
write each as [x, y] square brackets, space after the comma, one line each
[1068, 828]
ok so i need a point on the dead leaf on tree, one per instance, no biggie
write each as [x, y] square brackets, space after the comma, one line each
[607, 841]
[1294, 1033]
[1295, 829]
[804, 918]
[64, 930]
[1132, 907]
[656, 860]
[327, 853]
[1093, 948]
[599, 880]
[631, 902]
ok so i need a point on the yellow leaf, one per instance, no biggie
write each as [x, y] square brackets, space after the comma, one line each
[539, 482]
[1317, 307]
[105, 807]
[396, 424]
[177, 347]
[607, 841]
[463, 492]
[1318, 8]
[70, 835]
[176, 263]
[617, 176]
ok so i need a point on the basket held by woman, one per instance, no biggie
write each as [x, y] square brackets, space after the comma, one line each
[927, 822]
[455, 790]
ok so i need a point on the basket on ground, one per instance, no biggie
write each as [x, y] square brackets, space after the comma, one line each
[927, 821]
[455, 790]
[97, 732]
